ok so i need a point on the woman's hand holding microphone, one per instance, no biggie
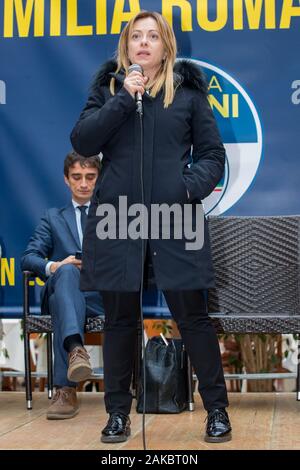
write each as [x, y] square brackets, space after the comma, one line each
[135, 83]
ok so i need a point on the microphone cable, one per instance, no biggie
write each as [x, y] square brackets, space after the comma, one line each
[140, 115]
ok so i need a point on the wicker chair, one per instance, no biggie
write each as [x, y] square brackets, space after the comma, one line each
[43, 324]
[257, 265]
[40, 323]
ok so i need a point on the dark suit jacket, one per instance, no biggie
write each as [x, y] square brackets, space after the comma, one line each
[55, 238]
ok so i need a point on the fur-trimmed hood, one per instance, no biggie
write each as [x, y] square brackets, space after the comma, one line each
[186, 73]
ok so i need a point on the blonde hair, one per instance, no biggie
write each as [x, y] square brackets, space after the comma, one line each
[164, 78]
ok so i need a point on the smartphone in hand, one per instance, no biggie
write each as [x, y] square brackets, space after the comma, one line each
[78, 255]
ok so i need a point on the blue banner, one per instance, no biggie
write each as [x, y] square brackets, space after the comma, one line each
[49, 51]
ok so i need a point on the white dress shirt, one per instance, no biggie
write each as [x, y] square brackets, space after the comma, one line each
[78, 215]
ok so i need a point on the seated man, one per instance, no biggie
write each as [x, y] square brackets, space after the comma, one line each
[58, 237]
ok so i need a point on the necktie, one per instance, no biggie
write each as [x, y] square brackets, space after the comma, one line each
[83, 217]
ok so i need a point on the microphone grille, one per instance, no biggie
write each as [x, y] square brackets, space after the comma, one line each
[135, 68]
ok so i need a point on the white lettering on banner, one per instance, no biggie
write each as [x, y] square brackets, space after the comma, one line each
[2, 92]
[296, 94]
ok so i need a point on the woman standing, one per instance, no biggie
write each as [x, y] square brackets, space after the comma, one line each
[176, 118]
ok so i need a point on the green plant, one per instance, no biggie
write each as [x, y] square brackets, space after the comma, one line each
[256, 353]
[2, 349]
[4, 352]
[163, 326]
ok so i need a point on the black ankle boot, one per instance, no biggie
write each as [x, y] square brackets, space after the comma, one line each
[218, 428]
[117, 428]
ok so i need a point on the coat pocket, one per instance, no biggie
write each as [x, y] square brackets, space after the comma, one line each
[186, 191]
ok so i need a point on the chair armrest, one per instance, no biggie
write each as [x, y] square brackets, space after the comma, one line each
[29, 274]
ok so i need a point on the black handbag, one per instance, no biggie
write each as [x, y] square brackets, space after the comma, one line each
[166, 377]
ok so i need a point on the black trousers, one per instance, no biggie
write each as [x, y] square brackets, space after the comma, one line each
[190, 313]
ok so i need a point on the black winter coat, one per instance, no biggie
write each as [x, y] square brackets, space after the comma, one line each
[110, 124]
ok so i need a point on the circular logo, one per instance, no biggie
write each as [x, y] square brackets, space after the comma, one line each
[241, 133]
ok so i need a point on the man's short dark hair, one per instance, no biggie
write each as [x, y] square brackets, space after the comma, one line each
[73, 157]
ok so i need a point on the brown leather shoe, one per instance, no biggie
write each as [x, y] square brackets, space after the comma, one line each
[79, 365]
[64, 404]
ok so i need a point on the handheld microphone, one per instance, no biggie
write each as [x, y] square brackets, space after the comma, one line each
[138, 96]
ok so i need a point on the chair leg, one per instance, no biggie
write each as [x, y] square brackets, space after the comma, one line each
[49, 365]
[137, 361]
[27, 370]
[191, 403]
[298, 371]
[42, 383]
[27, 357]
[133, 381]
